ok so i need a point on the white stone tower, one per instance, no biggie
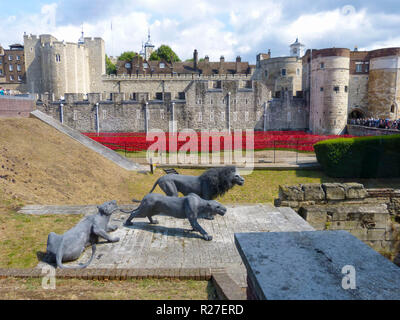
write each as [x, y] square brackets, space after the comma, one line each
[148, 47]
[297, 49]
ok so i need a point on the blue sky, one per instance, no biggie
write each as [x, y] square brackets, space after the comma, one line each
[213, 27]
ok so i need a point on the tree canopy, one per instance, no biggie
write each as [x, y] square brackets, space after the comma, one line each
[166, 53]
[127, 56]
[110, 67]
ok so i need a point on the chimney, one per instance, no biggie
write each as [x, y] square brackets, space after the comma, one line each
[195, 59]
[221, 65]
[238, 64]
[269, 53]
[206, 59]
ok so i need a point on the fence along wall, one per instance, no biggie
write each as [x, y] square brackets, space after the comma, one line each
[15, 106]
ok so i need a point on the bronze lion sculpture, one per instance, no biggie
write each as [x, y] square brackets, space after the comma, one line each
[208, 186]
[70, 245]
[190, 207]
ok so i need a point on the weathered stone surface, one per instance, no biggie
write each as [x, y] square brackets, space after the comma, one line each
[308, 266]
[355, 191]
[314, 215]
[291, 193]
[313, 191]
[334, 191]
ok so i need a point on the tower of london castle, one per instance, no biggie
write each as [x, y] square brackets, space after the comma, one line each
[316, 90]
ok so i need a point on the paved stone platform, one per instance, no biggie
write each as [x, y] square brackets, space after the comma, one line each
[169, 245]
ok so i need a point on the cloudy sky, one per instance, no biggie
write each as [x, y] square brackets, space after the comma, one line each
[213, 27]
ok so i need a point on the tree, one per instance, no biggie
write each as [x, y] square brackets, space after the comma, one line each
[166, 53]
[110, 67]
[127, 56]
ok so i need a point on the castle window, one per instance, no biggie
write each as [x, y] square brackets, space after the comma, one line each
[266, 73]
[18, 58]
[1, 62]
[336, 89]
[19, 78]
[10, 67]
[346, 89]
[359, 67]
[145, 65]
[235, 116]
[1, 72]
[217, 84]
[162, 65]
[18, 67]
[11, 78]
[58, 58]
[283, 72]
[159, 96]
[322, 65]
[321, 89]
[367, 67]
[392, 108]
[277, 94]
[181, 95]
[133, 96]
[10, 57]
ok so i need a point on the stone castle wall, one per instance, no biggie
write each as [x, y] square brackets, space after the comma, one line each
[372, 215]
[204, 107]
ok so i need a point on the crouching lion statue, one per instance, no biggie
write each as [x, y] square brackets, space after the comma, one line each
[70, 245]
[190, 207]
[211, 184]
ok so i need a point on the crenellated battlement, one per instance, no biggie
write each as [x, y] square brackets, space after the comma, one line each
[176, 77]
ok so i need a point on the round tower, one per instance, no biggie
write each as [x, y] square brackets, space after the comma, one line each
[383, 84]
[329, 90]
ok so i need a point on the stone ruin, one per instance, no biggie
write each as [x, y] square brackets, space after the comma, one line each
[372, 215]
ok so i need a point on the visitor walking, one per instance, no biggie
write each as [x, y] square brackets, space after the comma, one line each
[1, 91]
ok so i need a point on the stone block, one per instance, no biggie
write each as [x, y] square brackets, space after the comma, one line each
[376, 234]
[355, 191]
[293, 266]
[334, 191]
[314, 215]
[344, 225]
[313, 191]
[291, 193]
[360, 234]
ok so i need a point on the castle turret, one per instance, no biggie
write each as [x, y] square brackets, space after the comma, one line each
[384, 83]
[297, 49]
[329, 90]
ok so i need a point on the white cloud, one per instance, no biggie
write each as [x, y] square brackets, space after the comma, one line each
[214, 28]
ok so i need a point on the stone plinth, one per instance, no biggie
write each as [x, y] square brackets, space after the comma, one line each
[308, 266]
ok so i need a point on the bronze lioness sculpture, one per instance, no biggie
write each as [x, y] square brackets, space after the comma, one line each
[208, 186]
[190, 207]
[70, 245]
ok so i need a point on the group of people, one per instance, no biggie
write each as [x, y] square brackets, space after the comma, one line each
[376, 123]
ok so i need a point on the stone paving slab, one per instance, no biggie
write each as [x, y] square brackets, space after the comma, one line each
[310, 266]
[170, 245]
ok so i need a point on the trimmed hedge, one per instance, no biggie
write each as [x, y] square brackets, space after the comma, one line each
[364, 157]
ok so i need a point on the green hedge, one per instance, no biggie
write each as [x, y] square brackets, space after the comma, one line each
[365, 157]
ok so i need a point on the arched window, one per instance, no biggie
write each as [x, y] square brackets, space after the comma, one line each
[392, 108]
